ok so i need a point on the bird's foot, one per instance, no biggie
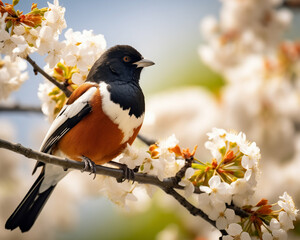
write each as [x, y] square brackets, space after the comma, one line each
[128, 173]
[89, 164]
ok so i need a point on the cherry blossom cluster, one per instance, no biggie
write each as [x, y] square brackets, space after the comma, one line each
[226, 182]
[233, 169]
[247, 47]
[12, 75]
[37, 30]
[245, 28]
[229, 179]
[159, 160]
[263, 221]
[69, 65]
[68, 61]
[22, 34]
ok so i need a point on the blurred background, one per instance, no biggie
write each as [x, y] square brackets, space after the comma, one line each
[185, 94]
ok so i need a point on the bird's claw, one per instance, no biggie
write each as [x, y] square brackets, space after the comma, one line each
[127, 174]
[89, 164]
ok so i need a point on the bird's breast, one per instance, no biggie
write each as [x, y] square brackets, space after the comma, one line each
[125, 121]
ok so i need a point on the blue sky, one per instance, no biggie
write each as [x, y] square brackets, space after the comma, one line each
[167, 32]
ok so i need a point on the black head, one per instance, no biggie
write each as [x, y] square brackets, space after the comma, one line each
[121, 63]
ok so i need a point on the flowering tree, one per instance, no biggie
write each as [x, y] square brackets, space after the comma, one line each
[220, 191]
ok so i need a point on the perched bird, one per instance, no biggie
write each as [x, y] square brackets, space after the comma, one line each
[97, 122]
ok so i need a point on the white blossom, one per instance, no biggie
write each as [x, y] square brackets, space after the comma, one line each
[55, 18]
[218, 191]
[48, 105]
[133, 157]
[188, 185]
[267, 236]
[12, 75]
[45, 41]
[165, 163]
[55, 54]
[222, 215]
[277, 231]
[235, 231]
[288, 206]
[83, 49]
[78, 78]
[119, 193]
[204, 203]
[286, 223]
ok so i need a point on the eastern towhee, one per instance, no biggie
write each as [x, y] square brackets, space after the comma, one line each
[99, 119]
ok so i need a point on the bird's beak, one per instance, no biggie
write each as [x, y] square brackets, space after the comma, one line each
[143, 63]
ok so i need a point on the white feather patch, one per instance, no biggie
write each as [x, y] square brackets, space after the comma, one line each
[118, 115]
[69, 112]
[53, 174]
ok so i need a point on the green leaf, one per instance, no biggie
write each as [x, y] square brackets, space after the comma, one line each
[15, 2]
[222, 150]
[37, 11]
[8, 25]
[62, 66]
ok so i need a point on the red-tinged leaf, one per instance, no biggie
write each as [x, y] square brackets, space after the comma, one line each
[33, 6]
[186, 154]
[229, 156]
[154, 154]
[152, 147]
[265, 210]
[9, 8]
[194, 150]
[31, 20]
[176, 150]
[262, 202]
[207, 169]
[214, 163]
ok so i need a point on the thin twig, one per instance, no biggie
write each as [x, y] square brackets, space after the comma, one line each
[190, 207]
[37, 69]
[180, 174]
[19, 108]
[146, 140]
[238, 211]
[291, 3]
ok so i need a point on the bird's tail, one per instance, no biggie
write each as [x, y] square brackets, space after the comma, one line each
[29, 209]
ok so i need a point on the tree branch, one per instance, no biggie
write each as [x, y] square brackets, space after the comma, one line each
[166, 185]
[37, 69]
[20, 108]
[67, 163]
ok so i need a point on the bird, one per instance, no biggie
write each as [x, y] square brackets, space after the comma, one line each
[99, 119]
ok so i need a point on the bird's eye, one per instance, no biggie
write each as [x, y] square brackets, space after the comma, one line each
[126, 59]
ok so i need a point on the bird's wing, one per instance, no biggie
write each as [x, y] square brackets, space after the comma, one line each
[77, 107]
